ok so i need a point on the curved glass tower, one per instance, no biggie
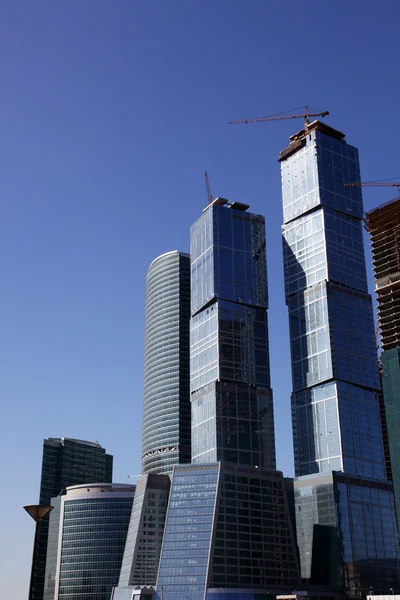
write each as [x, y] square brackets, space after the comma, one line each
[166, 403]
[94, 521]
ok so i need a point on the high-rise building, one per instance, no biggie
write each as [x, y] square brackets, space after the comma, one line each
[228, 523]
[232, 407]
[52, 549]
[166, 430]
[228, 527]
[346, 526]
[93, 523]
[66, 462]
[166, 406]
[146, 530]
[384, 228]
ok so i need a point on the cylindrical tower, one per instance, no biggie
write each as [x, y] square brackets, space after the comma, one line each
[94, 520]
[166, 403]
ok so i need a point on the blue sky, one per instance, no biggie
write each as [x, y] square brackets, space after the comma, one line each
[110, 113]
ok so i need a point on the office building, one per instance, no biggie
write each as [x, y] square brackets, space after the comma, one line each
[166, 432]
[346, 526]
[231, 396]
[228, 524]
[145, 533]
[166, 405]
[66, 462]
[384, 229]
[52, 549]
[93, 524]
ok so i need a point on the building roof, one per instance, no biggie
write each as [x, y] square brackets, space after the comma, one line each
[168, 254]
[103, 487]
[298, 140]
[85, 442]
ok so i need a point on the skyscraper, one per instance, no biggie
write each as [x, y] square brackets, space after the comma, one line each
[53, 536]
[384, 229]
[232, 408]
[146, 530]
[166, 413]
[166, 405]
[93, 523]
[66, 462]
[228, 523]
[339, 461]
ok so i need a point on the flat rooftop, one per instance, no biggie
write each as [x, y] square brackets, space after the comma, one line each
[298, 140]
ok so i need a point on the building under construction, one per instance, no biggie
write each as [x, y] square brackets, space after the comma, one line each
[384, 227]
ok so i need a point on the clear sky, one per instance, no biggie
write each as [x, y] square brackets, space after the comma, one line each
[110, 113]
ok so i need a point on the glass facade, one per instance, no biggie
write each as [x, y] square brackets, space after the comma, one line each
[232, 407]
[318, 537]
[254, 544]
[314, 169]
[52, 547]
[228, 523]
[334, 364]
[188, 533]
[348, 529]
[146, 528]
[391, 394]
[228, 526]
[335, 404]
[93, 527]
[166, 403]
[66, 462]
[322, 443]
[239, 594]
[228, 257]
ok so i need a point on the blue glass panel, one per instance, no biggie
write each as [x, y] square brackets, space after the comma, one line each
[229, 340]
[228, 257]
[94, 534]
[187, 538]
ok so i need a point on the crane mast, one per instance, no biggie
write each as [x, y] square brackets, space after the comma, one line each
[209, 194]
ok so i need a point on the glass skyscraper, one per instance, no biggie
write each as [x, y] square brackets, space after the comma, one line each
[228, 522]
[146, 529]
[166, 433]
[66, 462]
[166, 403]
[335, 407]
[92, 532]
[232, 408]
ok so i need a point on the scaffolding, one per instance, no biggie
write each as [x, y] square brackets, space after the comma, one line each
[384, 228]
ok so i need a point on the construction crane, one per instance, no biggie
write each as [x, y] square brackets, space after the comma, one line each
[209, 194]
[372, 184]
[280, 116]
